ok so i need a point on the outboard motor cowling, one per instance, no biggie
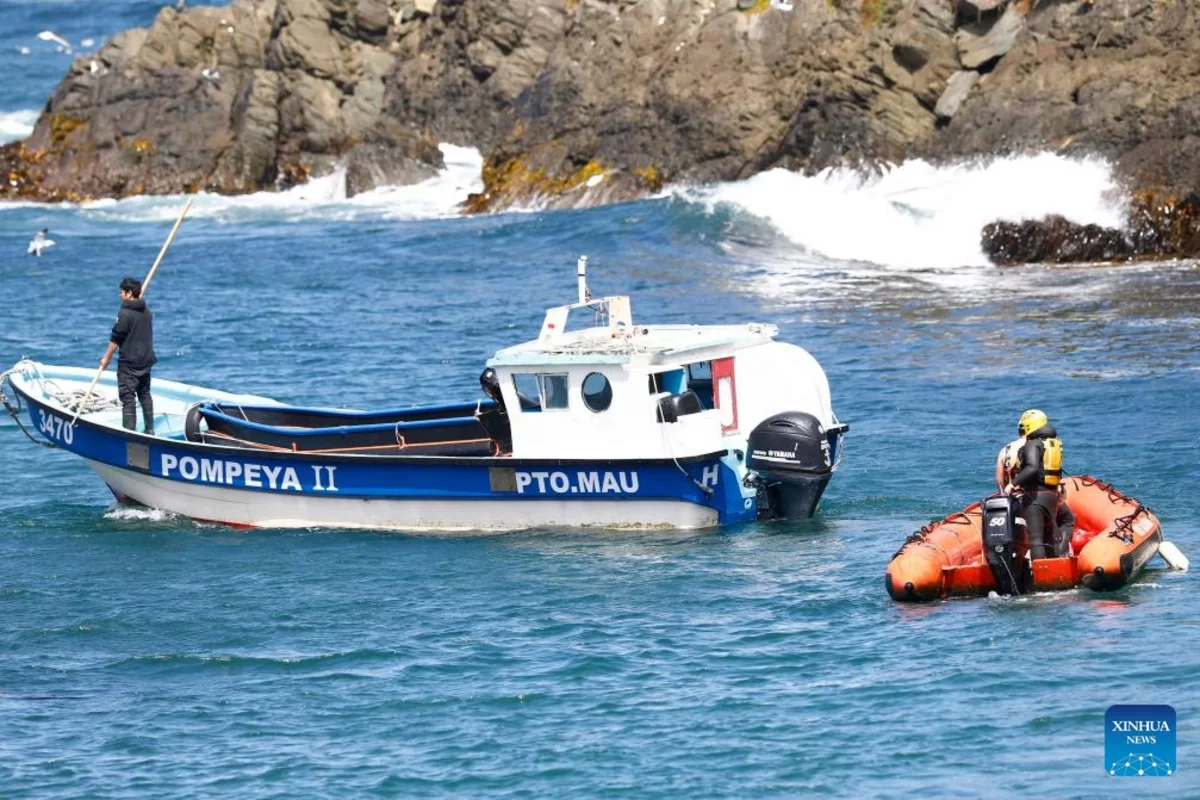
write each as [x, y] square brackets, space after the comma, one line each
[1000, 519]
[790, 453]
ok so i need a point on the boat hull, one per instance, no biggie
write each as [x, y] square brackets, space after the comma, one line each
[238, 487]
[1115, 538]
[239, 508]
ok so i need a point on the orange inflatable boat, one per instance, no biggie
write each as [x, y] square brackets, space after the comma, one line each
[1115, 536]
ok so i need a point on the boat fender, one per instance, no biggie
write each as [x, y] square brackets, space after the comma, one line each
[1173, 556]
[1000, 545]
[191, 423]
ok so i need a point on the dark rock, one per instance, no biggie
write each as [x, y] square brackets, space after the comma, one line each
[1157, 228]
[390, 156]
[257, 95]
[1051, 240]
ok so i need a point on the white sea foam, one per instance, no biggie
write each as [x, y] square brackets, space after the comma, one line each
[916, 215]
[320, 198]
[139, 513]
[16, 124]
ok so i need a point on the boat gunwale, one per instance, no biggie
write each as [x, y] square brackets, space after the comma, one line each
[241, 452]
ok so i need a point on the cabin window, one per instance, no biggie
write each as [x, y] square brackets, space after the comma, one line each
[726, 394]
[725, 401]
[673, 381]
[554, 391]
[597, 392]
[700, 381]
[528, 391]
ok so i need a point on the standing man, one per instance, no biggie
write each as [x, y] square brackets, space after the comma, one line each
[133, 335]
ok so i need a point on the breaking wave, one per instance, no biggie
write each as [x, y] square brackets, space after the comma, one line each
[320, 198]
[16, 124]
[916, 215]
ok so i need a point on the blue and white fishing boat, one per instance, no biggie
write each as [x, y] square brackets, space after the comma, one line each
[613, 424]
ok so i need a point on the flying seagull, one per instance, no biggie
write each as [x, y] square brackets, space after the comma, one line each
[50, 36]
[39, 242]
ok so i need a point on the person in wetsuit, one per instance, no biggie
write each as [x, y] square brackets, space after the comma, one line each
[1037, 473]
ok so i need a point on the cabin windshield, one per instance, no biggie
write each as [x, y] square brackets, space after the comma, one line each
[529, 392]
[541, 391]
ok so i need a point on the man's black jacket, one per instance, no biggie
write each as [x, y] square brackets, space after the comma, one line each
[134, 334]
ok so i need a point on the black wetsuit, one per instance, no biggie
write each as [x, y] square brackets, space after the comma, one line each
[1048, 520]
[134, 334]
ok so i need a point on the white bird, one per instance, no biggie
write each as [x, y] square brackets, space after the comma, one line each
[211, 73]
[87, 43]
[51, 36]
[96, 68]
[39, 242]
[23, 50]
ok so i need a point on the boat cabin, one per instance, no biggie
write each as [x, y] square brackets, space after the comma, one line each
[613, 389]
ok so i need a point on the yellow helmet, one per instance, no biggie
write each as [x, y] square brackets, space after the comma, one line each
[1031, 420]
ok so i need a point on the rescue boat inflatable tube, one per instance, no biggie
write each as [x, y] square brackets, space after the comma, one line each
[1115, 536]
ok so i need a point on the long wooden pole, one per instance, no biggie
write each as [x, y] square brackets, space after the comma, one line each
[145, 285]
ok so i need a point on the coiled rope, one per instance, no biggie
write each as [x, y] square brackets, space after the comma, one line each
[67, 399]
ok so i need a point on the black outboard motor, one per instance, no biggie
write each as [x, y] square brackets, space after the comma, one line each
[1000, 520]
[490, 383]
[495, 420]
[790, 453]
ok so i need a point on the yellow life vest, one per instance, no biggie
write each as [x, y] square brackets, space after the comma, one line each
[1052, 452]
[1051, 467]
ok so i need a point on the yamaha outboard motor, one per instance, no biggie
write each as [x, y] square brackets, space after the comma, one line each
[1000, 515]
[790, 453]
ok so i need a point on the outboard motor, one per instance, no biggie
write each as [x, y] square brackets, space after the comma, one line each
[790, 453]
[490, 383]
[495, 420]
[1000, 519]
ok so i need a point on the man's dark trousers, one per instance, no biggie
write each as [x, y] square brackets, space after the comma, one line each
[133, 387]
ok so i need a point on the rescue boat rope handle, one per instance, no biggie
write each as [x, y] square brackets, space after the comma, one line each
[145, 285]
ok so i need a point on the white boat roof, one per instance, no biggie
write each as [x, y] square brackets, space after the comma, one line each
[648, 345]
[615, 339]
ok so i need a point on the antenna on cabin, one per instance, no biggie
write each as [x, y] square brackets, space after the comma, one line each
[581, 276]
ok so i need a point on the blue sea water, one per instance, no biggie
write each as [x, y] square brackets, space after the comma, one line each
[143, 655]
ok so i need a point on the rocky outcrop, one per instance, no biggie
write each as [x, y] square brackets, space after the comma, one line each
[260, 94]
[1157, 228]
[584, 101]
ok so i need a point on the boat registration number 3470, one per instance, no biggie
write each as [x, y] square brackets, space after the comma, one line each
[56, 428]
